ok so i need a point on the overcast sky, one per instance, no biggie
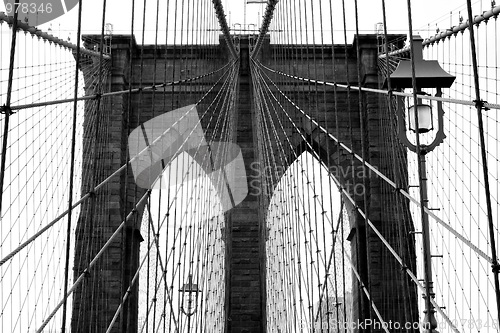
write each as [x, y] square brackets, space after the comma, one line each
[118, 14]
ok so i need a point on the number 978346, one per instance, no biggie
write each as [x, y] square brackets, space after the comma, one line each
[28, 8]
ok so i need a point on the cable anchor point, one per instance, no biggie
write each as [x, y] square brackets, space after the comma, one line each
[481, 104]
[4, 109]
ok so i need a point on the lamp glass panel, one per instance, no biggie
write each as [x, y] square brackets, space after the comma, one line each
[424, 113]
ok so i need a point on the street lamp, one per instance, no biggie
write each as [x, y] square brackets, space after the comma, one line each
[189, 293]
[428, 74]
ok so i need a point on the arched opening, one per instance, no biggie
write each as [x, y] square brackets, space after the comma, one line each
[183, 251]
[308, 277]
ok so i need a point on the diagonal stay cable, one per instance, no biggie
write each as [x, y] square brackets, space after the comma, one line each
[378, 91]
[162, 265]
[306, 140]
[219, 11]
[79, 280]
[182, 180]
[98, 255]
[121, 92]
[290, 145]
[400, 261]
[384, 177]
[96, 188]
[330, 259]
[391, 249]
[359, 278]
[268, 16]
[384, 325]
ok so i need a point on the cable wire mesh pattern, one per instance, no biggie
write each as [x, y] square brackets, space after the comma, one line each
[176, 171]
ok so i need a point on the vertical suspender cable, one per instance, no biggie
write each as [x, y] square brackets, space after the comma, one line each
[429, 320]
[165, 282]
[156, 238]
[336, 163]
[174, 229]
[479, 107]
[95, 158]
[183, 233]
[127, 168]
[315, 194]
[308, 241]
[406, 302]
[359, 247]
[6, 108]
[326, 163]
[129, 281]
[362, 120]
[175, 216]
[72, 169]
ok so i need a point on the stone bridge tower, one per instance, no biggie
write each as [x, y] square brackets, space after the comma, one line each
[245, 226]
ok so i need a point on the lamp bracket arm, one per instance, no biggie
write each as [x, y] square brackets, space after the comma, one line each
[402, 130]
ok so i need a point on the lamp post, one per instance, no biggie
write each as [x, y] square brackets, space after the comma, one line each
[189, 293]
[427, 74]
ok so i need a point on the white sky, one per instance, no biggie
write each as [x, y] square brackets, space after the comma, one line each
[118, 14]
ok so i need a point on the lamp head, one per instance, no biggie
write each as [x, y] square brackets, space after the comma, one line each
[428, 73]
[424, 118]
